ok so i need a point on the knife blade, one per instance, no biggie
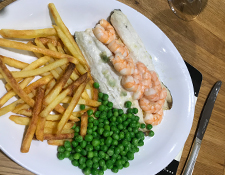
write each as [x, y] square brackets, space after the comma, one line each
[203, 123]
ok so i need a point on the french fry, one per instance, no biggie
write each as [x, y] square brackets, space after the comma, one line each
[62, 26]
[14, 63]
[71, 106]
[47, 40]
[69, 45]
[40, 128]
[61, 96]
[13, 83]
[38, 55]
[12, 106]
[92, 103]
[58, 137]
[26, 112]
[50, 85]
[59, 85]
[38, 71]
[20, 120]
[33, 124]
[47, 52]
[83, 124]
[27, 34]
[58, 142]
[37, 63]
[53, 131]
[11, 93]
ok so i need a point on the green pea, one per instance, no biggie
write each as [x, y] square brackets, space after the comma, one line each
[90, 154]
[101, 154]
[61, 149]
[115, 169]
[100, 172]
[135, 130]
[101, 120]
[96, 165]
[108, 141]
[90, 112]
[105, 97]
[61, 156]
[96, 85]
[149, 126]
[82, 160]
[128, 104]
[99, 100]
[124, 116]
[110, 152]
[90, 125]
[83, 152]
[120, 126]
[87, 171]
[100, 131]
[105, 102]
[142, 125]
[79, 138]
[67, 144]
[82, 107]
[135, 110]
[115, 136]
[107, 127]
[136, 118]
[106, 133]
[75, 163]
[97, 148]
[151, 133]
[77, 156]
[82, 166]
[115, 142]
[100, 95]
[88, 138]
[94, 134]
[126, 164]
[109, 164]
[130, 155]
[119, 119]
[94, 171]
[129, 115]
[71, 157]
[95, 159]
[104, 148]
[89, 131]
[89, 147]
[74, 143]
[110, 104]
[97, 113]
[78, 149]
[101, 108]
[95, 142]
[91, 119]
[104, 168]
[132, 135]
[101, 162]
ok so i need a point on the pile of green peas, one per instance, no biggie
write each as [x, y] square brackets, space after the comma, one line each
[112, 139]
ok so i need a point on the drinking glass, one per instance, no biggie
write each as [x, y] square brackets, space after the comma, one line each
[186, 9]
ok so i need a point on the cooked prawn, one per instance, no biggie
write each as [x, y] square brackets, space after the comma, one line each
[118, 47]
[153, 107]
[104, 32]
[145, 75]
[153, 118]
[153, 93]
[124, 65]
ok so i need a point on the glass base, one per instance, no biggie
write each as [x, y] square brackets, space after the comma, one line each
[186, 9]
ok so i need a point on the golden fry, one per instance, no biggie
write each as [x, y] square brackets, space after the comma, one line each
[33, 124]
[59, 85]
[58, 142]
[71, 106]
[14, 63]
[27, 34]
[58, 137]
[47, 52]
[13, 83]
[83, 124]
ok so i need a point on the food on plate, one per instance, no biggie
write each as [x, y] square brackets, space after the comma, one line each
[125, 69]
[60, 76]
[92, 97]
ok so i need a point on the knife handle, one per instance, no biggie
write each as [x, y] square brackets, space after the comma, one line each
[189, 167]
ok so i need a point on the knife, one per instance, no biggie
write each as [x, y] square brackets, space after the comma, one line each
[204, 120]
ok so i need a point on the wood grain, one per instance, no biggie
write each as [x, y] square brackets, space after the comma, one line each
[201, 43]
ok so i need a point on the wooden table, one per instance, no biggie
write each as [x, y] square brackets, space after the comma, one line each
[202, 44]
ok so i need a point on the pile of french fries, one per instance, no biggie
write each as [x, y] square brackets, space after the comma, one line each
[47, 105]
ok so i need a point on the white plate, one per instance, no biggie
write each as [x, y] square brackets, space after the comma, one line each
[170, 135]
